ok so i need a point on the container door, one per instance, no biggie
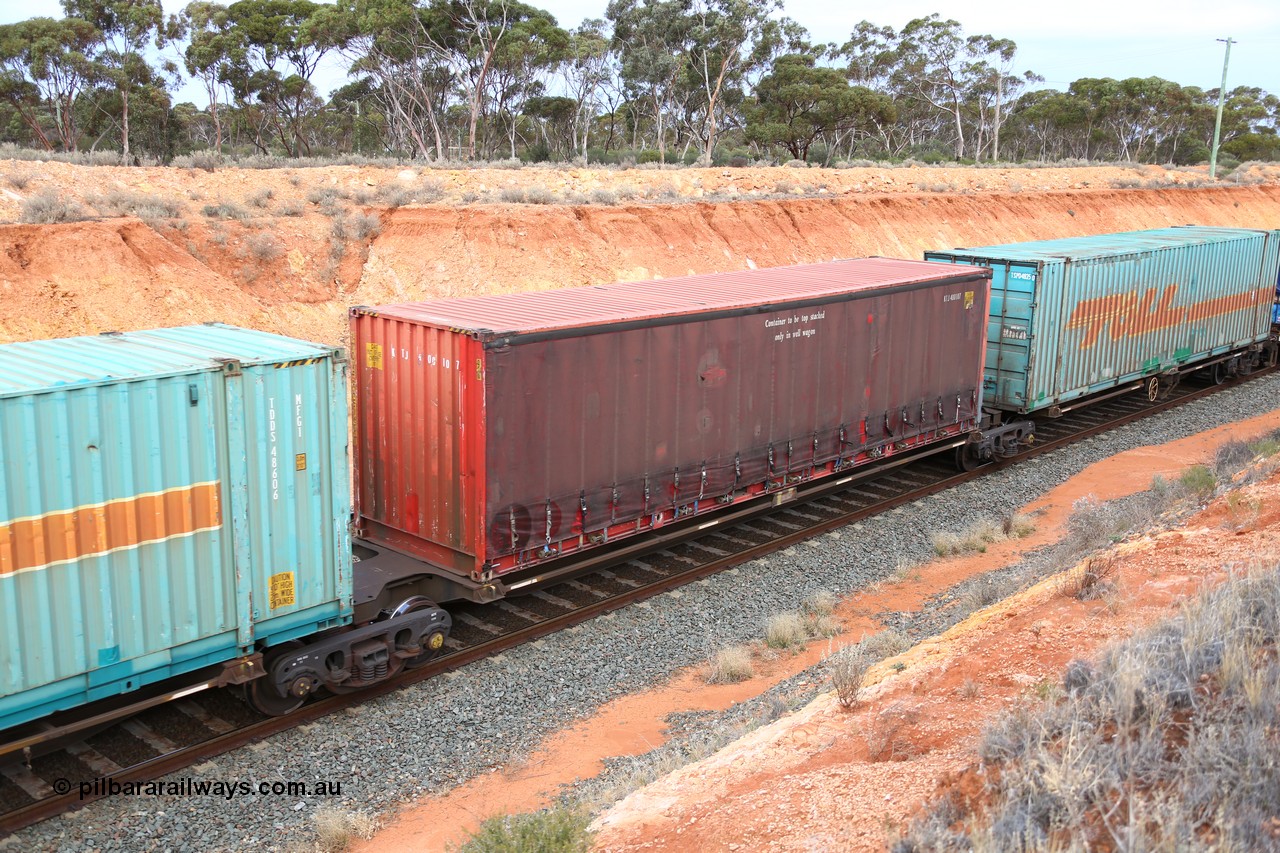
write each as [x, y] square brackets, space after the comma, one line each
[288, 495]
[1007, 375]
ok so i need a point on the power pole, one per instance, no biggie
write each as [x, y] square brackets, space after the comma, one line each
[1222, 99]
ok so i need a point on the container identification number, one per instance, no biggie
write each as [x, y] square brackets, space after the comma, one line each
[275, 450]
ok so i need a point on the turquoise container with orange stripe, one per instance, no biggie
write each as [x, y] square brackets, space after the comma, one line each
[169, 500]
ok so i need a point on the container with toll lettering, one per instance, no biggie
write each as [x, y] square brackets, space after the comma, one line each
[1083, 316]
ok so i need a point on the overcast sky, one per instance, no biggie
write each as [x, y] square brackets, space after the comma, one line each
[1061, 41]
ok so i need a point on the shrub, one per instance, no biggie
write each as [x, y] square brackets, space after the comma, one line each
[882, 733]
[264, 247]
[557, 830]
[796, 164]
[326, 196]
[511, 195]
[605, 197]
[539, 195]
[731, 664]
[1198, 481]
[364, 226]
[225, 210]
[206, 159]
[48, 207]
[1092, 580]
[18, 180]
[848, 669]
[1156, 746]
[262, 197]
[1232, 457]
[785, 631]
[141, 205]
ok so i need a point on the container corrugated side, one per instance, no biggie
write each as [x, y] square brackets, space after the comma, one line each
[574, 437]
[1079, 316]
[162, 510]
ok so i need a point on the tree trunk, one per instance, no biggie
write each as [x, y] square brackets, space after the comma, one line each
[124, 125]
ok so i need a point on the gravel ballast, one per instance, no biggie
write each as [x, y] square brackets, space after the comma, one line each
[434, 735]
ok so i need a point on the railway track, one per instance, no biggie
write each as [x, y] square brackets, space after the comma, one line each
[40, 774]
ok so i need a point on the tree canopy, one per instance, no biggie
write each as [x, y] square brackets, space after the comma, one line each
[712, 81]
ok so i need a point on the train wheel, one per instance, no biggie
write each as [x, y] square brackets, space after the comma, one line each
[432, 641]
[261, 693]
[1220, 373]
[1153, 389]
[966, 458]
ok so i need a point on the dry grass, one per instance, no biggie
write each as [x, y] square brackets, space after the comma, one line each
[1092, 579]
[337, 829]
[785, 631]
[973, 539]
[1167, 742]
[731, 664]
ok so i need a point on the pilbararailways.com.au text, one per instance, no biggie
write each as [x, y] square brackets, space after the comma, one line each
[187, 787]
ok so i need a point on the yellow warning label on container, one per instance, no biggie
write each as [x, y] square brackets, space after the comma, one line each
[968, 299]
[282, 590]
[300, 462]
[373, 356]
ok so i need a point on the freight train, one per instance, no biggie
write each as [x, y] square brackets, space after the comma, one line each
[176, 505]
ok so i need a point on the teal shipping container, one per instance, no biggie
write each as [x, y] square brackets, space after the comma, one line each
[169, 500]
[1080, 316]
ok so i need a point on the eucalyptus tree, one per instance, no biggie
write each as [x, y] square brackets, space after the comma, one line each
[533, 47]
[214, 50]
[413, 54]
[45, 64]
[281, 44]
[729, 40]
[126, 30]
[653, 39]
[875, 61]
[799, 102]
[590, 75]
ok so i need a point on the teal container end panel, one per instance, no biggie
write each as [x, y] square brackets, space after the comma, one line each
[1010, 328]
[1115, 308]
[288, 434]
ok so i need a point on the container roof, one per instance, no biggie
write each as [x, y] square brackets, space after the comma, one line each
[35, 366]
[576, 307]
[1105, 245]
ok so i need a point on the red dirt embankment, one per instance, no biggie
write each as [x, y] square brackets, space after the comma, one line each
[279, 273]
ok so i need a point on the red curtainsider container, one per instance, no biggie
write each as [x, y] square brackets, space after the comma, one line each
[497, 433]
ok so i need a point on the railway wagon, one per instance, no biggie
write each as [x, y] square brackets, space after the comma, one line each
[170, 500]
[495, 434]
[1080, 317]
